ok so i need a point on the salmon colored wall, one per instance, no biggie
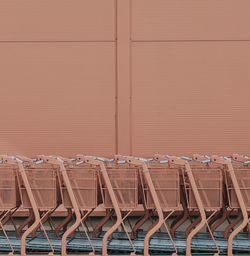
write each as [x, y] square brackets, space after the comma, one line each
[129, 76]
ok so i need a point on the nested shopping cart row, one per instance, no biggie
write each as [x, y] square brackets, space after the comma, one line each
[167, 187]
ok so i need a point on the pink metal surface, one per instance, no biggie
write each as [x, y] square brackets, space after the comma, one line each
[130, 56]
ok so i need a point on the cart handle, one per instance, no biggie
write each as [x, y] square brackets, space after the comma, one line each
[201, 158]
[241, 158]
[121, 158]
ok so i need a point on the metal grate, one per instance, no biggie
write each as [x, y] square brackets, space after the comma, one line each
[43, 182]
[243, 178]
[83, 181]
[124, 182]
[209, 183]
[166, 183]
[9, 194]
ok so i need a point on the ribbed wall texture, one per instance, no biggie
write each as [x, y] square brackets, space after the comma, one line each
[57, 77]
[124, 76]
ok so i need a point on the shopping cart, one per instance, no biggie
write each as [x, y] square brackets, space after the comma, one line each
[38, 186]
[119, 190]
[200, 187]
[161, 194]
[124, 181]
[238, 192]
[38, 192]
[183, 213]
[209, 181]
[78, 187]
[83, 180]
[9, 193]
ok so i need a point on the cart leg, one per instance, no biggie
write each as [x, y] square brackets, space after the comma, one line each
[44, 219]
[185, 214]
[192, 225]
[139, 223]
[211, 234]
[6, 218]
[234, 223]
[171, 238]
[99, 226]
[177, 219]
[25, 223]
[234, 233]
[179, 223]
[68, 232]
[192, 234]
[5, 234]
[220, 221]
[154, 227]
[108, 234]
[214, 219]
[63, 224]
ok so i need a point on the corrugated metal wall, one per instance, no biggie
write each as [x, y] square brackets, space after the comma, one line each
[57, 76]
[129, 76]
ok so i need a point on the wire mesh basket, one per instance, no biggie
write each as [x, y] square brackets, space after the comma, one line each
[167, 186]
[9, 193]
[44, 186]
[209, 182]
[124, 182]
[83, 180]
[243, 177]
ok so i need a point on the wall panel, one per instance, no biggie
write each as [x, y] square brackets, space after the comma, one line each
[57, 20]
[58, 64]
[190, 20]
[190, 97]
[57, 98]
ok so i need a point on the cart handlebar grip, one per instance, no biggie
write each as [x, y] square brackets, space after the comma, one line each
[220, 160]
